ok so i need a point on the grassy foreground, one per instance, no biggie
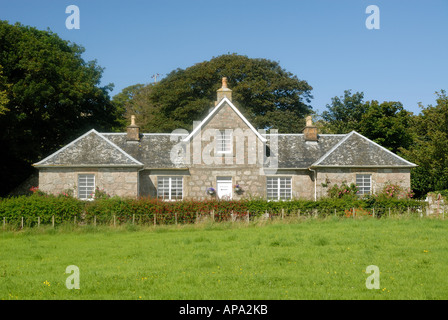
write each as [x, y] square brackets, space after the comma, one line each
[309, 259]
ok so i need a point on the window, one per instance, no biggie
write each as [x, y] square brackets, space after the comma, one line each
[364, 183]
[279, 188]
[86, 186]
[224, 141]
[169, 188]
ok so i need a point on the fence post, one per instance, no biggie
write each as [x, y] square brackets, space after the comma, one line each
[248, 216]
[94, 220]
[389, 212]
[335, 213]
[175, 217]
[74, 221]
[114, 220]
[373, 212]
[155, 219]
[283, 213]
[4, 223]
[38, 222]
[21, 224]
[52, 221]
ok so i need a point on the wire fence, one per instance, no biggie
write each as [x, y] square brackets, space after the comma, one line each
[176, 218]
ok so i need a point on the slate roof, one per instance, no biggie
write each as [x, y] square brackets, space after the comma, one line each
[155, 151]
[355, 150]
[91, 149]
[295, 152]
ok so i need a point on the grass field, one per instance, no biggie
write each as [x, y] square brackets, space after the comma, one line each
[308, 259]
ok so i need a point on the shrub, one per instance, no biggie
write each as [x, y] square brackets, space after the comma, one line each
[343, 191]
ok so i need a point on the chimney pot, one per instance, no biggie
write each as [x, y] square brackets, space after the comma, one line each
[133, 131]
[224, 91]
[310, 131]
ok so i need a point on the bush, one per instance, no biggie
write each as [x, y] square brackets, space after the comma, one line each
[149, 210]
[43, 206]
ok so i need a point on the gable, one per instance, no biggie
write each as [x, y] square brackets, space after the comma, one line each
[226, 112]
[92, 150]
[356, 150]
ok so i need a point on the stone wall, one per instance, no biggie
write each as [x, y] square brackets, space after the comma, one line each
[121, 182]
[436, 204]
[380, 178]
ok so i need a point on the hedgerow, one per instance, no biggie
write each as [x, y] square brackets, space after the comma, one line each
[64, 208]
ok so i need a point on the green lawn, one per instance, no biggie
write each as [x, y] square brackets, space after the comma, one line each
[307, 259]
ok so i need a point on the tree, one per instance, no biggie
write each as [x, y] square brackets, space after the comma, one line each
[344, 114]
[3, 93]
[268, 95]
[53, 96]
[429, 149]
[122, 102]
[386, 123]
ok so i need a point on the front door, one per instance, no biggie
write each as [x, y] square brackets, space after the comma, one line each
[224, 187]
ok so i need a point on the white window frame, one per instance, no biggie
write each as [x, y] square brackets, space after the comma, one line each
[85, 186]
[280, 188]
[223, 141]
[364, 183]
[167, 183]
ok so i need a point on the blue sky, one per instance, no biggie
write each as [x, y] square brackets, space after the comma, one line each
[324, 42]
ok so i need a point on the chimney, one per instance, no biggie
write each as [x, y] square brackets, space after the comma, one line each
[310, 131]
[224, 91]
[133, 131]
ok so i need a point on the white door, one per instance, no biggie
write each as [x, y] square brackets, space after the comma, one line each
[224, 187]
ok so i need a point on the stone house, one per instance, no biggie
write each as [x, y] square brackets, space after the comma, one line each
[222, 151]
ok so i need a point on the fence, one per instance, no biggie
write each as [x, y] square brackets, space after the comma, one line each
[176, 218]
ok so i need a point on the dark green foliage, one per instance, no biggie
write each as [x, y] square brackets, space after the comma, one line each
[268, 95]
[430, 147]
[143, 210]
[63, 208]
[48, 96]
[386, 123]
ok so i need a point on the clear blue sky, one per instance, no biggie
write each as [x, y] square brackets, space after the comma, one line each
[324, 42]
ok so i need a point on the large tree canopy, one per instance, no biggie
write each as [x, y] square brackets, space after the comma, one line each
[430, 147]
[48, 96]
[268, 95]
[386, 123]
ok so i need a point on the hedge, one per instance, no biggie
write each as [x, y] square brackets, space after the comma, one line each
[149, 210]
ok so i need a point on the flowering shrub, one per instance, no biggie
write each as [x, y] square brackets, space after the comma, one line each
[343, 191]
[100, 194]
[395, 191]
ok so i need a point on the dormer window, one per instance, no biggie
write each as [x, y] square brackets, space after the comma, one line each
[224, 141]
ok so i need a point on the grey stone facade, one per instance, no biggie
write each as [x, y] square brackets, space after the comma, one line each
[224, 146]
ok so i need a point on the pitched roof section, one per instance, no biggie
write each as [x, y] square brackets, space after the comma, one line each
[214, 111]
[294, 152]
[355, 150]
[91, 149]
[155, 151]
